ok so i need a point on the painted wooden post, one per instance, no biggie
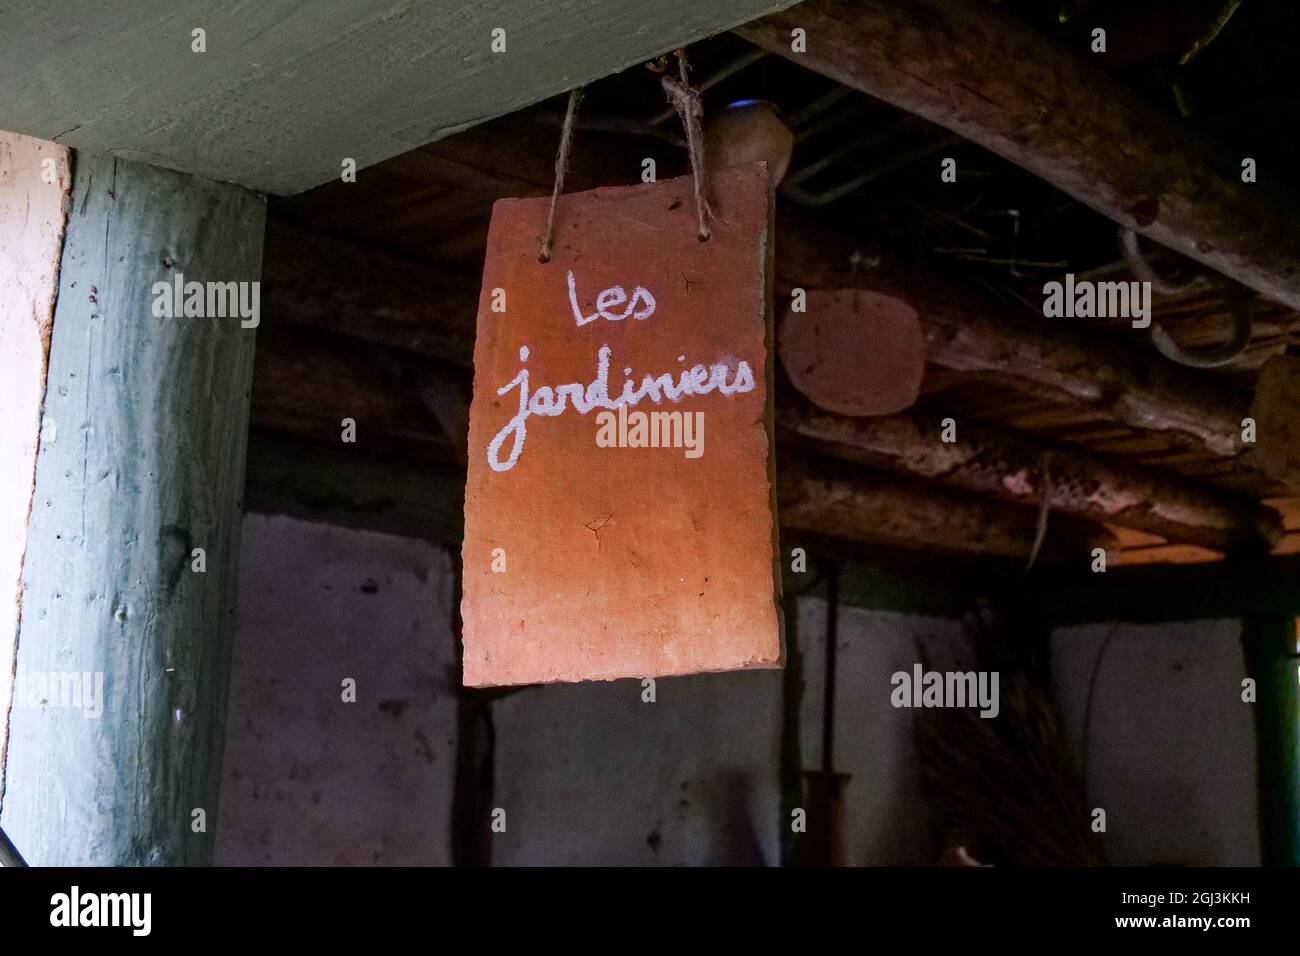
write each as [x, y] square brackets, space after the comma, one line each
[141, 464]
[1272, 649]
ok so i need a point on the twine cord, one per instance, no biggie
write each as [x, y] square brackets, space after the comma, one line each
[1040, 531]
[561, 166]
[686, 101]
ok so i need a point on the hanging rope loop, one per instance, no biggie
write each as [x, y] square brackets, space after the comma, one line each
[689, 106]
[686, 101]
[561, 167]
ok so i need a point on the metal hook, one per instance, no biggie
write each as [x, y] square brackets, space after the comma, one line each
[1238, 303]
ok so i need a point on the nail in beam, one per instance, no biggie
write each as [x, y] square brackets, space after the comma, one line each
[141, 462]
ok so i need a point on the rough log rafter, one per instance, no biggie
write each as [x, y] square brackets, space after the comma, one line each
[824, 497]
[322, 282]
[1019, 469]
[993, 80]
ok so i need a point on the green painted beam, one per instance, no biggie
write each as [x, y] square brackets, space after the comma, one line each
[286, 90]
[141, 461]
[1273, 660]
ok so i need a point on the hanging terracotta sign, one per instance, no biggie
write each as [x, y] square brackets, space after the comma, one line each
[619, 508]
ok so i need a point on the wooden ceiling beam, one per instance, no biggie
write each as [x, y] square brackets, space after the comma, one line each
[306, 382]
[992, 79]
[826, 497]
[967, 330]
[1020, 470]
[318, 281]
[349, 333]
[274, 96]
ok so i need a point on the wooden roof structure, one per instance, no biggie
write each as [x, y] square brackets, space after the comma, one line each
[371, 287]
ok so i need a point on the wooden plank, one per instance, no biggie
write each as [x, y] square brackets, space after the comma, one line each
[35, 182]
[994, 80]
[332, 79]
[1289, 508]
[141, 461]
[333, 484]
